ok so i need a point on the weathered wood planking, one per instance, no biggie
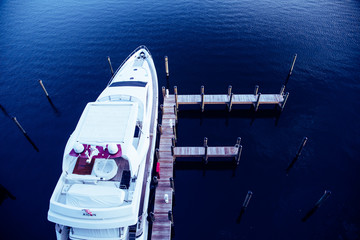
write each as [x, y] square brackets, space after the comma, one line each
[161, 229]
[200, 151]
[224, 99]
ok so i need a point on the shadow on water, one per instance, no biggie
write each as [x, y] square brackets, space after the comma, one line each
[242, 211]
[4, 111]
[291, 164]
[200, 165]
[244, 206]
[56, 111]
[317, 205]
[4, 194]
[309, 213]
[302, 145]
[273, 113]
[20, 127]
[212, 165]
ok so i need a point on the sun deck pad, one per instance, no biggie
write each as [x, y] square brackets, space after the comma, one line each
[107, 123]
[94, 196]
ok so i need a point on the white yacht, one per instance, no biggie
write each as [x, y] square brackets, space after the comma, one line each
[104, 187]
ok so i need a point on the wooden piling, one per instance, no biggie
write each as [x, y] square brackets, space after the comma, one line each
[302, 145]
[229, 90]
[171, 218]
[43, 87]
[172, 184]
[151, 217]
[157, 153]
[256, 89]
[290, 71]
[19, 125]
[202, 98]
[247, 199]
[111, 68]
[323, 198]
[317, 205]
[173, 142]
[174, 131]
[244, 206]
[48, 97]
[238, 155]
[25, 134]
[176, 113]
[238, 141]
[176, 97]
[155, 181]
[162, 109]
[202, 102]
[231, 101]
[284, 102]
[160, 128]
[206, 150]
[282, 90]
[292, 65]
[257, 102]
[163, 91]
[167, 66]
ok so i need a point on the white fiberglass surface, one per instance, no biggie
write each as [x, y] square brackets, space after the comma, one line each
[112, 233]
[94, 196]
[107, 123]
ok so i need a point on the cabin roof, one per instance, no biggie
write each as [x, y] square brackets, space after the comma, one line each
[107, 122]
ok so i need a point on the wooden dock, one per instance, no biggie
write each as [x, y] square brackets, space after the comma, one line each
[162, 216]
[200, 151]
[231, 99]
[167, 153]
[161, 229]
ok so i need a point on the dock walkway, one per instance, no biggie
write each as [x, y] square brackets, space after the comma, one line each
[231, 99]
[161, 229]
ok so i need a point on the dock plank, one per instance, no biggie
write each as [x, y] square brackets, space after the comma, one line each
[200, 151]
[161, 228]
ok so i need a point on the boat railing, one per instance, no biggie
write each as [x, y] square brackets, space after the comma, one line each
[122, 64]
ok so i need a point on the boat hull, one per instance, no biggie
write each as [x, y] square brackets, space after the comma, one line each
[134, 81]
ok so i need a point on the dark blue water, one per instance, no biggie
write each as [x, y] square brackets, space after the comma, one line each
[213, 43]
